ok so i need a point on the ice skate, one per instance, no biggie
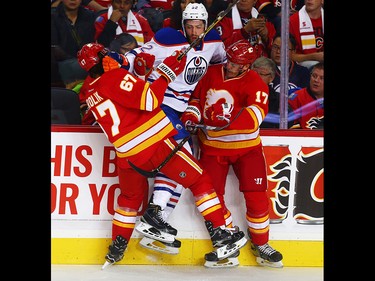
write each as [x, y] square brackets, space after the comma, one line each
[116, 251]
[267, 256]
[226, 241]
[163, 247]
[231, 261]
[152, 225]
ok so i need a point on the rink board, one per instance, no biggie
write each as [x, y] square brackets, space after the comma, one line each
[84, 190]
[93, 250]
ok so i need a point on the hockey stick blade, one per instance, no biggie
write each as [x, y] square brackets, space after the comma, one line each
[154, 172]
[219, 17]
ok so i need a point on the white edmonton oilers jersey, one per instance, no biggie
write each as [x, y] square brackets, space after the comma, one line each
[211, 50]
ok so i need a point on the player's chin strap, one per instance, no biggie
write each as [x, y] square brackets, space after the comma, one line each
[154, 172]
[219, 17]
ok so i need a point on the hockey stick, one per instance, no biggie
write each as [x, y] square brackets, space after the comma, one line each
[219, 17]
[192, 126]
[153, 173]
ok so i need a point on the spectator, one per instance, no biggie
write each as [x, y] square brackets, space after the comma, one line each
[123, 43]
[119, 19]
[94, 5]
[235, 97]
[56, 80]
[153, 13]
[272, 10]
[308, 103]
[266, 68]
[299, 76]
[307, 26]
[243, 22]
[214, 7]
[145, 138]
[174, 19]
[72, 26]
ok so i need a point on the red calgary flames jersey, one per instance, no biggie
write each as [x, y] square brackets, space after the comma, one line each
[128, 111]
[247, 91]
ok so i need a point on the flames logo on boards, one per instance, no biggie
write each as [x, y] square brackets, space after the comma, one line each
[195, 69]
[309, 186]
[281, 176]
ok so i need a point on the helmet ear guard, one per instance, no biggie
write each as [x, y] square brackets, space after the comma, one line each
[242, 52]
[194, 11]
[90, 55]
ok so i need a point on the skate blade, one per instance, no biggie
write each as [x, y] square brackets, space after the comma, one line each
[158, 246]
[106, 264]
[151, 232]
[227, 250]
[263, 262]
[225, 263]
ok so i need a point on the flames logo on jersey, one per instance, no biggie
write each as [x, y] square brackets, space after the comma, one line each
[195, 69]
[214, 96]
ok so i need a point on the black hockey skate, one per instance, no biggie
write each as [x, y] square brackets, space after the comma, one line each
[231, 261]
[266, 255]
[163, 247]
[152, 225]
[226, 241]
[116, 251]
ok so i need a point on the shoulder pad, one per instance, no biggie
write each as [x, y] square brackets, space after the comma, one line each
[169, 36]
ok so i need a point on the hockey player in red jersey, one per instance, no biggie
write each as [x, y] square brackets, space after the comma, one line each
[210, 50]
[308, 103]
[234, 99]
[128, 110]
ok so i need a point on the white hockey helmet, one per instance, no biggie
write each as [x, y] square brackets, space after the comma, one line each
[195, 11]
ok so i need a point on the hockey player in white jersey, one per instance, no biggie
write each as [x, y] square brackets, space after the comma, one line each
[210, 50]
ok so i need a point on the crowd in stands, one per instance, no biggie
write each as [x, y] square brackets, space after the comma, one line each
[122, 25]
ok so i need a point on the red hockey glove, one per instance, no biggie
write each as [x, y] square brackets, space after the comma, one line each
[219, 114]
[191, 116]
[114, 60]
[143, 65]
[170, 68]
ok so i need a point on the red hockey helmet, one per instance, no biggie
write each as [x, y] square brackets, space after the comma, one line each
[88, 56]
[241, 52]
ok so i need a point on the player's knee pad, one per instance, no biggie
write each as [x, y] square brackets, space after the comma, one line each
[256, 203]
[133, 202]
[203, 185]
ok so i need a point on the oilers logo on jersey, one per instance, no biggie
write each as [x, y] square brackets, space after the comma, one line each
[195, 69]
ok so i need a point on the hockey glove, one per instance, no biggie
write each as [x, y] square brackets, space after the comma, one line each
[114, 60]
[170, 68]
[190, 117]
[143, 65]
[219, 114]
